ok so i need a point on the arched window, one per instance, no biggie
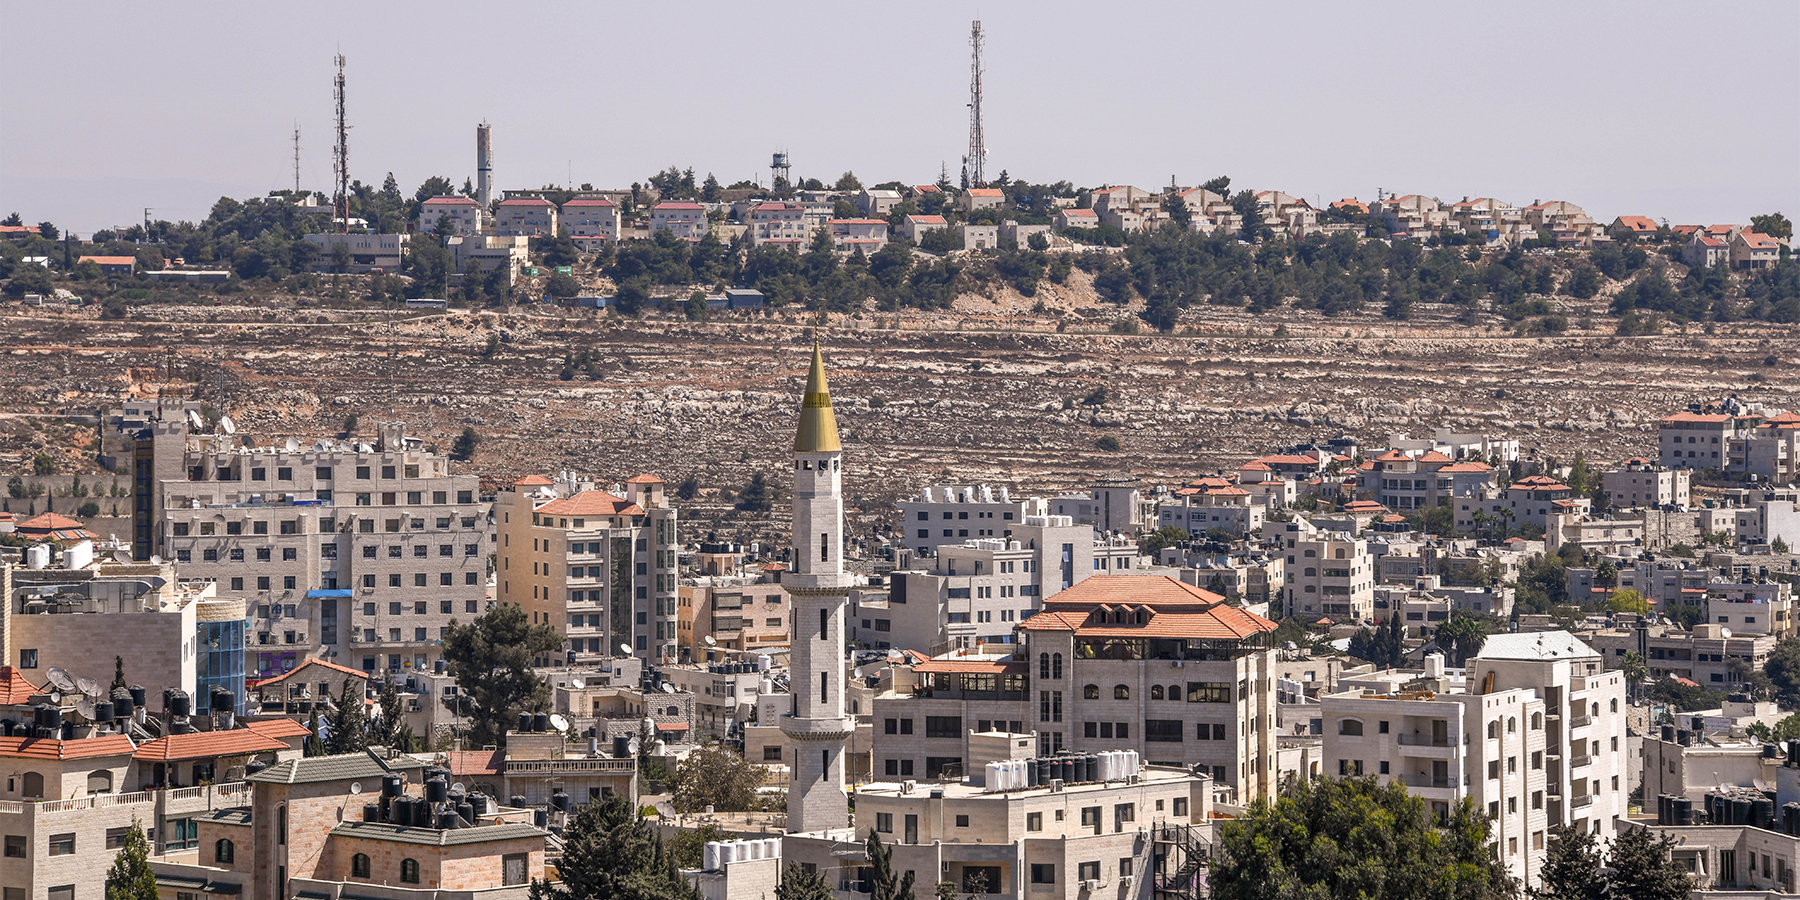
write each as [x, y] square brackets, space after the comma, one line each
[1174, 692]
[1596, 712]
[1615, 704]
[1310, 571]
[1090, 692]
[281, 825]
[1156, 692]
[1350, 727]
[99, 781]
[1494, 728]
[33, 785]
[1121, 692]
[409, 871]
[1537, 721]
[224, 851]
[1512, 725]
[1043, 665]
[1056, 665]
[359, 866]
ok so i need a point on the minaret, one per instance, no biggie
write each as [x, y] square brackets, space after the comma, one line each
[816, 725]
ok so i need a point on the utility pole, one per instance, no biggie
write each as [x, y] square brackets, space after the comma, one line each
[341, 161]
[977, 158]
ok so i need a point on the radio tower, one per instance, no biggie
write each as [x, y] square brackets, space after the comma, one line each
[974, 162]
[296, 162]
[341, 158]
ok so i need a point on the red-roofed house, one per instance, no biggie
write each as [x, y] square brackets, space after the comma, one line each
[112, 265]
[591, 222]
[1536, 498]
[464, 213]
[1639, 227]
[1211, 506]
[683, 219]
[867, 235]
[1142, 663]
[1753, 250]
[186, 760]
[1696, 440]
[915, 227]
[983, 198]
[52, 527]
[779, 225]
[529, 216]
[1076, 218]
[1704, 250]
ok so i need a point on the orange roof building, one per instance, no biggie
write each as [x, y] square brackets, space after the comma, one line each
[51, 527]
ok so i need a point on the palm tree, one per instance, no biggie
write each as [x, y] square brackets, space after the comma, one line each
[1461, 637]
[1636, 670]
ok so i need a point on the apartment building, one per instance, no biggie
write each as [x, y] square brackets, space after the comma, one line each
[1770, 451]
[867, 235]
[738, 612]
[1644, 483]
[1113, 504]
[915, 227]
[980, 590]
[878, 202]
[464, 215]
[1329, 573]
[684, 219]
[1074, 838]
[1705, 656]
[1411, 215]
[780, 225]
[1533, 732]
[953, 513]
[1693, 440]
[1726, 828]
[1751, 607]
[1116, 662]
[1247, 574]
[600, 566]
[360, 552]
[357, 254]
[486, 253]
[526, 216]
[1198, 510]
[982, 198]
[1076, 218]
[591, 222]
[1536, 498]
[1765, 517]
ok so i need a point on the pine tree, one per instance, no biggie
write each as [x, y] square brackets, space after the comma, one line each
[315, 745]
[119, 673]
[1643, 869]
[1571, 868]
[882, 885]
[348, 728]
[131, 877]
[799, 884]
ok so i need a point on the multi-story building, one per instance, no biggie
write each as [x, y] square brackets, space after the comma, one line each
[1644, 483]
[464, 215]
[591, 222]
[1075, 838]
[1751, 607]
[1198, 510]
[1770, 451]
[1533, 732]
[1765, 517]
[983, 198]
[526, 216]
[953, 513]
[356, 254]
[878, 201]
[1143, 663]
[485, 253]
[343, 549]
[915, 227]
[980, 590]
[1705, 656]
[684, 219]
[867, 235]
[779, 225]
[1694, 440]
[1536, 498]
[738, 612]
[1726, 821]
[601, 567]
[1328, 573]
[1113, 504]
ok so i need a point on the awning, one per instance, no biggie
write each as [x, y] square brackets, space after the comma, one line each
[672, 726]
[335, 592]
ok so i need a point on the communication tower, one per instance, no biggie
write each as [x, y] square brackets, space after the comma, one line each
[780, 169]
[976, 161]
[341, 158]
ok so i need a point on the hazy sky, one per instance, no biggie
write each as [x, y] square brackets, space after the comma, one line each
[1675, 110]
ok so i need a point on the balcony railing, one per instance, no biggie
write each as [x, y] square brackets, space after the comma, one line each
[1580, 800]
[1425, 781]
[1579, 721]
[1578, 762]
[1424, 740]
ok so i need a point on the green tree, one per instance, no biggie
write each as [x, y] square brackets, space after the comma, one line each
[847, 182]
[43, 463]
[1774, 225]
[48, 231]
[799, 884]
[15, 487]
[1644, 869]
[688, 488]
[1628, 601]
[1461, 637]
[131, 877]
[1782, 669]
[347, 727]
[882, 883]
[1178, 211]
[757, 496]
[688, 848]
[715, 776]
[464, 448]
[611, 853]
[1166, 536]
[563, 286]
[1635, 670]
[1571, 867]
[1107, 443]
[118, 675]
[696, 307]
[491, 660]
[1350, 838]
[314, 745]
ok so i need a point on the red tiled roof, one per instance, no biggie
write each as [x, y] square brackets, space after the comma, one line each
[208, 744]
[645, 478]
[1758, 241]
[591, 503]
[525, 201]
[1362, 506]
[856, 222]
[955, 666]
[1079, 214]
[676, 204]
[311, 662]
[1434, 456]
[278, 728]
[1393, 456]
[1696, 417]
[111, 260]
[50, 748]
[925, 220]
[451, 201]
[1638, 224]
[601, 202]
[1466, 466]
[48, 521]
[1685, 230]
[1178, 610]
[1228, 492]
[671, 726]
[15, 689]
[986, 192]
[1254, 466]
[477, 762]
[533, 481]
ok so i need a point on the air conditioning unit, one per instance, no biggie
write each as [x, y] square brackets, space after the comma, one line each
[1056, 785]
[1087, 884]
[1127, 881]
[906, 787]
[1178, 664]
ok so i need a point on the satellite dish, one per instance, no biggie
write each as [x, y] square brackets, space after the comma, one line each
[291, 445]
[895, 656]
[226, 425]
[576, 683]
[355, 787]
[558, 722]
[1724, 632]
[64, 682]
[633, 745]
[668, 688]
[625, 649]
[195, 420]
[709, 641]
[86, 708]
[87, 685]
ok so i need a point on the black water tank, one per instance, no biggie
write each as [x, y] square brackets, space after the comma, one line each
[399, 810]
[1663, 807]
[436, 790]
[1090, 768]
[524, 721]
[1042, 768]
[371, 812]
[559, 801]
[221, 700]
[392, 785]
[540, 722]
[621, 747]
[103, 711]
[122, 705]
[480, 802]
[422, 815]
[447, 820]
[1684, 811]
[254, 766]
[1741, 809]
[518, 801]
[1762, 813]
[179, 703]
[138, 695]
[181, 725]
[1681, 737]
[541, 817]
[1668, 733]
[467, 812]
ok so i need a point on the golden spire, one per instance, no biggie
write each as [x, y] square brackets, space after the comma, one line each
[818, 426]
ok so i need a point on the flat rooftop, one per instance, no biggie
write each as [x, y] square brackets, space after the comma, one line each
[1147, 775]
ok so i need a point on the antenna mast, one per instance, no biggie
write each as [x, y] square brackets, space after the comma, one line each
[341, 160]
[975, 161]
[296, 161]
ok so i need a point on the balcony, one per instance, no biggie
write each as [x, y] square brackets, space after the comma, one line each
[1579, 721]
[1579, 762]
[1428, 781]
[1424, 740]
[1580, 800]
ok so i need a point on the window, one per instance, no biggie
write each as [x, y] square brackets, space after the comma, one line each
[359, 866]
[1043, 873]
[1121, 692]
[409, 871]
[1162, 730]
[62, 844]
[884, 823]
[1350, 727]
[1090, 692]
[962, 821]
[15, 846]
[1181, 806]
[1088, 871]
[943, 726]
[28, 658]
[1034, 821]
[224, 851]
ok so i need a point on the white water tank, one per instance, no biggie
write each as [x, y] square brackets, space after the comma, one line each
[37, 556]
[709, 856]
